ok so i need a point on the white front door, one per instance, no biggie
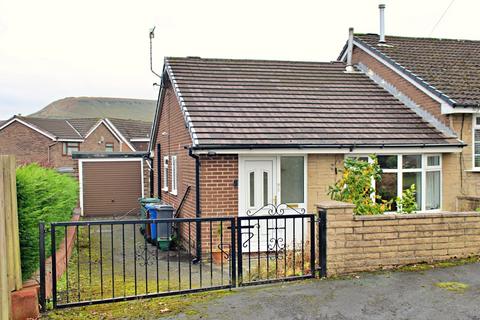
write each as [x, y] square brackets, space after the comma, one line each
[258, 191]
[272, 186]
[259, 185]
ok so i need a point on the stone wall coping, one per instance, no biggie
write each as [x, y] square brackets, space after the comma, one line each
[394, 216]
[333, 204]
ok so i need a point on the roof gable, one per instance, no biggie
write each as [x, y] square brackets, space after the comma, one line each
[252, 103]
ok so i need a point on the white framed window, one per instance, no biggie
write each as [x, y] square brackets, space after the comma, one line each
[476, 143]
[69, 147]
[174, 175]
[399, 172]
[165, 173]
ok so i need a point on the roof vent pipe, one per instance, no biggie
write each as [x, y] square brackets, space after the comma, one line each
[349, 67]
[382, 23]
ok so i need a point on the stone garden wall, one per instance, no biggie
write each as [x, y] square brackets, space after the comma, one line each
[365, 243]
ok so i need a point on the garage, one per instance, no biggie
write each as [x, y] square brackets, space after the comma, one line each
[110, 187]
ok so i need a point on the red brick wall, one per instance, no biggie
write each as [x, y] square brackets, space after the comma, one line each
[103, 135]
[26, 144]
[140, 146]
[219, 196]
[173, 137]
[217, 191]
[400, 83]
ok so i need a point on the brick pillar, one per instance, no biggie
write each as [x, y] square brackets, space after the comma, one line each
[340, 225]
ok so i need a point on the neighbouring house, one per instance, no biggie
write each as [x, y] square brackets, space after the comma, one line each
[244, 135]
[107, 155]
[439, 80]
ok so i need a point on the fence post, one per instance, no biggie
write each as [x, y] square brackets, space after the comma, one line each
[54, 264]
[322, 241]
[41, 245]
[312, 246]
[239, 251]
[233, 253]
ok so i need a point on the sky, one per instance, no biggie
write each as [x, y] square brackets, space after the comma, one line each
[52, 49]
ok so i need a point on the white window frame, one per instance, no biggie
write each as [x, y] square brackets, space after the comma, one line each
[165, 173]
[173, 165]
[400, 170]
[475, 126]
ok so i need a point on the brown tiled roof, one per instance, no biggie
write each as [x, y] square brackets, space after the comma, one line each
[132, 129]
[78, 128]
[56, 127]
[257, 103]
[449, 66]
[83, 125]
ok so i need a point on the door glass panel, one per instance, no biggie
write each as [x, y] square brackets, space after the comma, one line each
[265, 188]
[252, 189]
[387, 188]
[433, 190]
[292, 179]
[415, 178]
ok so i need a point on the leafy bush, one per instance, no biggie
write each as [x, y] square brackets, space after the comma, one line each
[408, 202]
[43, 195]
[355, 187]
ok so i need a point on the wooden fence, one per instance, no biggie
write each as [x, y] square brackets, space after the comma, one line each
[10, 268]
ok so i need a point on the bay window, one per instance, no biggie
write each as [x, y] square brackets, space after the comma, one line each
[400, 172]
[476, 142]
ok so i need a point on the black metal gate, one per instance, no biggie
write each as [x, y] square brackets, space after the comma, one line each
[110, 261]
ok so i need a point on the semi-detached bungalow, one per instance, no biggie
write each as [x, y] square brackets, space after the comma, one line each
[438, 79]
[247, 135]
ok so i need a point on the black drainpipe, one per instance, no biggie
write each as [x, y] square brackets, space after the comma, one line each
[151, 177]
[159, 173]
[197, 205]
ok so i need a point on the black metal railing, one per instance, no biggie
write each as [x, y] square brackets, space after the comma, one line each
[111, 260]
[275, 248]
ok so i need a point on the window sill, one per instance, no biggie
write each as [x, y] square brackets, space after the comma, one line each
[165, 189]
[174, 192]
[473, 170]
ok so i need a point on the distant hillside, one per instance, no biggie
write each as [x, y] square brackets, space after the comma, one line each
[93, 107]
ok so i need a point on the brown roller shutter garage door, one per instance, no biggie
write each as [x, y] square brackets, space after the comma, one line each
[111, 187]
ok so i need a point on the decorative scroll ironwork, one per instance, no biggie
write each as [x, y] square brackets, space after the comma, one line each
[275, 210]
[250, 234]
[226, 254]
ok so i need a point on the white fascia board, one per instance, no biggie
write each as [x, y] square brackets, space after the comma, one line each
[92, 129]
[117, 133]
[445, 106]
[385, 150]
[71, 140]
[447, 109]
[31, 126]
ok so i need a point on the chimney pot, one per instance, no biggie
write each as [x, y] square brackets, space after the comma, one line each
[382, 23]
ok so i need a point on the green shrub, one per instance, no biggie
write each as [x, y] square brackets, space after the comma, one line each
[408, 202]
[355, 187]
[43, 195]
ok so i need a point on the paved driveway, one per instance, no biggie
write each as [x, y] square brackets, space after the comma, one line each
[393, 295]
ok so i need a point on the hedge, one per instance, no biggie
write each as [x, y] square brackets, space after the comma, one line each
[43, 195]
